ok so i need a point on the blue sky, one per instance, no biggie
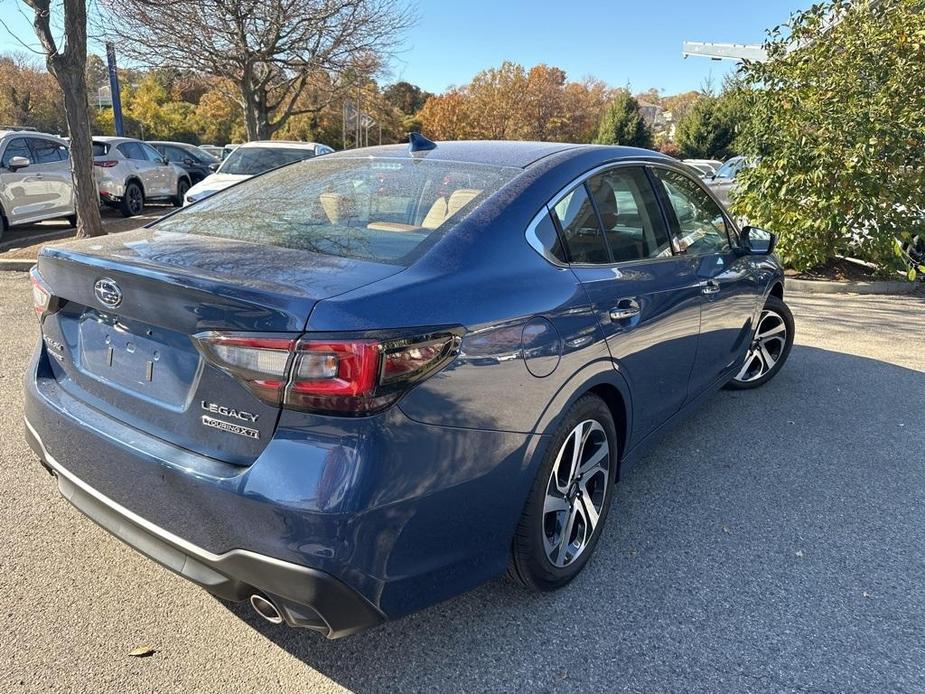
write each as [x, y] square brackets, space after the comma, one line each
[619, 41]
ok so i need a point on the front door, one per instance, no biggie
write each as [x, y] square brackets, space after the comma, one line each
[647, 299]
[51, 162]
[729, 284]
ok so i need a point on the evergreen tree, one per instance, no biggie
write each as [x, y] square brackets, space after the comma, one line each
[623, 124]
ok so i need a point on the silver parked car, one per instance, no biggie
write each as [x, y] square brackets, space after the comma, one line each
[35, 179]
[721, 184]
[130, 173]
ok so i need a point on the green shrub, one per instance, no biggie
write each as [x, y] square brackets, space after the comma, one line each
[836, 126]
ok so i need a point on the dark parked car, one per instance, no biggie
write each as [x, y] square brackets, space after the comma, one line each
[357, 385]
[195, 161]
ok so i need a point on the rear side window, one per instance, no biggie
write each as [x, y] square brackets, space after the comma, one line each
[630, 215]
[581, 232]
[132, 150]
[17, 147]
[376, 209]
[100, 149]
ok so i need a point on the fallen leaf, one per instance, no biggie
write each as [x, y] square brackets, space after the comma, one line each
[142, 652]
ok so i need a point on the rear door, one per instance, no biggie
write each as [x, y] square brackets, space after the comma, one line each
[729, 284]
[140, 166]
[647, 299]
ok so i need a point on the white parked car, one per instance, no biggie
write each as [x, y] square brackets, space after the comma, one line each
[130, 173]
[35, 179]
[706, 167]
[254, 158]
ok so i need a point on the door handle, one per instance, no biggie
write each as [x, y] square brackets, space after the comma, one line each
[625, 308]
[710, 287]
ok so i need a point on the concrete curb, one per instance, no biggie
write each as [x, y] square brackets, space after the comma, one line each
[846, 287]
[16, 264]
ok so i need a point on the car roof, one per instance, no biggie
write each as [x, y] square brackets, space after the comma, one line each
[272, 144]
[29, 133]
[501, 152]
[168, 142]
[113, 140]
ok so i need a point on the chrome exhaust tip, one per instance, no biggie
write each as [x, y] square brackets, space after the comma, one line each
[266, 609]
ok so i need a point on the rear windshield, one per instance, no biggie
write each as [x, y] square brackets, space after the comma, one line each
[250, 161]
[376, 209]
[100, 149]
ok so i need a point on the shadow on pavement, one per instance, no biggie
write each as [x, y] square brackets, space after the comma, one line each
[772, 541]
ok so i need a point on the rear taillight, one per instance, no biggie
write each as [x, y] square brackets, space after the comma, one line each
[336, 376]
[41, 296]
[106, 163]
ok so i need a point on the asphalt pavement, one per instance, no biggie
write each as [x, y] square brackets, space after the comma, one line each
[774, 542]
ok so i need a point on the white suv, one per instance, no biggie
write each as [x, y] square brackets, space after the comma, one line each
[254, 158]
[130, 172]
[35, 179]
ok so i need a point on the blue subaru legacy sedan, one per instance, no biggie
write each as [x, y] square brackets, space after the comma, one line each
[355, 386]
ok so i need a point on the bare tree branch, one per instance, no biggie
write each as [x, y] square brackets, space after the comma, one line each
[269, 49]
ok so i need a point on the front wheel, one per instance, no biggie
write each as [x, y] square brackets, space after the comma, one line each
[770, 346]
[565, 512]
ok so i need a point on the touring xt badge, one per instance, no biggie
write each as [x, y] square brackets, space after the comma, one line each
[229, 412]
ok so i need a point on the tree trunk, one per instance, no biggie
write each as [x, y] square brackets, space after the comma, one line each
[68, 66]
[86, 194]
[256, 112]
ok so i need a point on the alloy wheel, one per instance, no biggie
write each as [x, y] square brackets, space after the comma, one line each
[576, 492]
[767, 347]
[135, 200]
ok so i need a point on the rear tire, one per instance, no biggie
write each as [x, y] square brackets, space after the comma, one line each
[133, 201]
[571, 496]
[182, 187]
[2, 224]
[769, 349]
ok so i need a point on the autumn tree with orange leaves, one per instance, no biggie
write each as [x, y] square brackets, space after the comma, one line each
[512, 103]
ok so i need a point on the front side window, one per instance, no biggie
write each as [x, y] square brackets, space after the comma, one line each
[375, 209]
[250, 161]
[47, 151]
[630, 215]
[701, 224]
[581, 232]
[149, 153]
[16, 148]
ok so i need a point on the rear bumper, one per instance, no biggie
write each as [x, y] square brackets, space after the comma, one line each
[400, 513]
[305, 597]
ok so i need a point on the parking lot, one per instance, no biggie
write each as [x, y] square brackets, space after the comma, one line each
[773, 542]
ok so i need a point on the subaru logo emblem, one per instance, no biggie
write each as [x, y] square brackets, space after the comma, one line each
[108, 292]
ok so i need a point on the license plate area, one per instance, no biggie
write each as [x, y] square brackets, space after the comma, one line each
[144, 360]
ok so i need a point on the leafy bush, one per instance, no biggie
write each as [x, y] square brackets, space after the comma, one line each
[836, 129]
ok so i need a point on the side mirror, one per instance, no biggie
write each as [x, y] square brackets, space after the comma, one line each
[188, 162]
[213, 167]
[17, 163]
[165, 161]
[758, 241]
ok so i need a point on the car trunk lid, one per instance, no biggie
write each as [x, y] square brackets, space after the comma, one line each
[131, 304]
